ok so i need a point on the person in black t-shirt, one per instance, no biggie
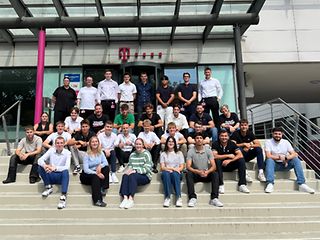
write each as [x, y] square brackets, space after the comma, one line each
[79, 144]
[250, 147]
[228, 157]
[228, 120]
[187, 94]
[165, 96]
[198, 128]
[63, 98]
[207, 122]
[156, 122]
[98, 119]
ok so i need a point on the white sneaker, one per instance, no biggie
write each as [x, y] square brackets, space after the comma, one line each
[179, 202]
[248, 178]
[305, 188]
[110, 178]
[243, 188]
[121, 169]
[47, 192]
[261, 177]
[123, 203]
[114, 178]
[221, 189]
[216, 202]
[129, 204]
[167, 202]
[269, 188]
[192, 202]
[62, 202]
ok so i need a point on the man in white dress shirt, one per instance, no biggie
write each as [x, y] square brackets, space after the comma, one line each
[87, 98]
[179, 119]
[108, 91]
[210, 93]
[54, 169]
[107, 140]
[128, 92]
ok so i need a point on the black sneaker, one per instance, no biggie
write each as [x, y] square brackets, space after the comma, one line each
[8, 180]
[154, 170]
[103, 191]
[33, 180]
[100, 203]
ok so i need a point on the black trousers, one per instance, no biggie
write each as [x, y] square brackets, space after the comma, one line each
[109, 108]
[240, 164]
[60, 116]
[193, 178]
[122, 156]
[85, 113]
[15, 160]
[212, 105]
[96, 183]
[155, 152]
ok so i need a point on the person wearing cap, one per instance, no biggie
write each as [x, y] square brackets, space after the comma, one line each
[165, 96]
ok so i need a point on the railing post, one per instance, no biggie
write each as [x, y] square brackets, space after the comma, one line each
[18, 125]
[264, 130]
[5, 129]
[295, 133]
[272, 118]
[252, 120]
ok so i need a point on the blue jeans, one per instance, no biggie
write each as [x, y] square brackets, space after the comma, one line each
[252, 153]
[61, 178]
[112, 160]
[130, 183]
[170, 179]
[294, 163]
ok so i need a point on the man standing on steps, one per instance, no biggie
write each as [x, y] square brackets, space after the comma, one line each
[282, 157]
[250, 148]
[63, 98]
[202, 168]
[108, 91]
[87, 98]
[28, 152]
[210, 93]
[228, 157]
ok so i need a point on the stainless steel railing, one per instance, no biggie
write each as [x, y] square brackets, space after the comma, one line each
[5, 127]
[299, 130]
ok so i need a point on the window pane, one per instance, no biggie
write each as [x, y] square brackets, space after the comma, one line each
[224, 73]
[176, 75]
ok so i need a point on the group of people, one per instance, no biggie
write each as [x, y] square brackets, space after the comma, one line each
[182, 136]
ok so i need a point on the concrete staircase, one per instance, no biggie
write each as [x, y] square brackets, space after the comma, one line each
[286, 213]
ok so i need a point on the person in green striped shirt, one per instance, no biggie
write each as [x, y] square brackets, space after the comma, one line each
[138, 172]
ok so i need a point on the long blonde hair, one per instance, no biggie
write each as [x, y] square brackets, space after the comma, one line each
[89, 149]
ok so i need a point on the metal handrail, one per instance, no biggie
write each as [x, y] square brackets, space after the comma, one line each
[5, 128]
[299, 130]
[287, 105]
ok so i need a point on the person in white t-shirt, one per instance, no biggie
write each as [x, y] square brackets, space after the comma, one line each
[107, 140]
[282, 157]
[49, 142]
[87, 98]
[73, 122]
[124, 145]
[128, 92]
[151, 143]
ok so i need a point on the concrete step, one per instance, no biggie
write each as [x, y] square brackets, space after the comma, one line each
[23, 175]
[148, 198]
[156, 187]
[150, 226]
[152, 211]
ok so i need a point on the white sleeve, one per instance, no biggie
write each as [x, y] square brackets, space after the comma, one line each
[67, 163]
[44, 158]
